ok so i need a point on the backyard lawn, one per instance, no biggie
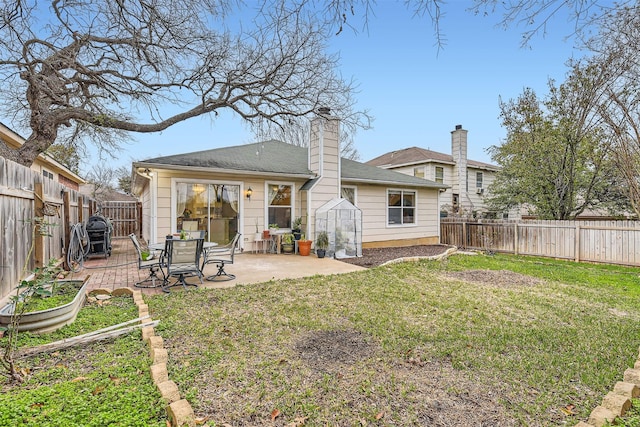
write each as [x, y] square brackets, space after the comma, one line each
[469, 341]
[472, 340]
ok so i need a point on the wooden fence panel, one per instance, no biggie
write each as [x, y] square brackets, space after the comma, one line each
[17, 199]
[612, 242]
[123, 216]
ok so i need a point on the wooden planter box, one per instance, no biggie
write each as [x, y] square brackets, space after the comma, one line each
[51, 319]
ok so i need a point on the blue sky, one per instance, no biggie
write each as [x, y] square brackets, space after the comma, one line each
[416, 93]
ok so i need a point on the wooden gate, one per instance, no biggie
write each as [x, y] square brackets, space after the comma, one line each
[125, 216]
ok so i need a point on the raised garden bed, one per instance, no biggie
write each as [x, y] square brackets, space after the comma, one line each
[69, 296]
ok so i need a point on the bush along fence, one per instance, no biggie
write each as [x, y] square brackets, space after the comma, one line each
[27, 196]
[610, 242]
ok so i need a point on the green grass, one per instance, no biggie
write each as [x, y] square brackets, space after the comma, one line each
[406, 344]
[525, 351]
[105, 383]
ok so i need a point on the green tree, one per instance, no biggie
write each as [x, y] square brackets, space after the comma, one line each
[66, 155]
[552, 161]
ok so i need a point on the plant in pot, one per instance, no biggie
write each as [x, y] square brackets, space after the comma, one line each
[287, 243]
[322, 243]
[296, 228]
[304, 246]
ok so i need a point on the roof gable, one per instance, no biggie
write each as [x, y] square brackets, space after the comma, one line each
[416, 156]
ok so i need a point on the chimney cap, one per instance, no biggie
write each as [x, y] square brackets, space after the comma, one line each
[325, 111]
[458, 127]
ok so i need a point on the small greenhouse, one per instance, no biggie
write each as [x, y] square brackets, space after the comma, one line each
[343, 223]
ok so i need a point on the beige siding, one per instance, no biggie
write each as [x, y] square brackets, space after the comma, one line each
[372, 200]
[249, 210]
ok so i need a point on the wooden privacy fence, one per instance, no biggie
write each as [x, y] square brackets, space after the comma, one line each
[126, 217]
[24, 196]
[611, 242]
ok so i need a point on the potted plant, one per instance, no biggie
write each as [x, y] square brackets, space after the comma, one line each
[296, 228]
[287, 243]
[322, 243]
[273, 228]
[304, 246]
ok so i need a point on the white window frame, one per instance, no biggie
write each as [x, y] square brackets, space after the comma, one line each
[205, 182]
[355, 193]
[435, 174]
[267, 184]
[480, 181]
[415, 207]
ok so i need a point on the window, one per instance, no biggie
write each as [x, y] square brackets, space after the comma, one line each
[440, 174]
[349, 193]
[212, 208]
[418, 172]
[401, 207]
[478, 179]
[47, 174]
[280, 203]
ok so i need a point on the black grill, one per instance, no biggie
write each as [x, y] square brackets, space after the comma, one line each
[99, 231]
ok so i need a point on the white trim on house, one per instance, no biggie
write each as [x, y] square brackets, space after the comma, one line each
[415, 207]
[267, 183]
[206, 182]
[221, 170]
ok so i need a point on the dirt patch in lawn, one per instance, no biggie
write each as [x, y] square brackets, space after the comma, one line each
[378, 256]
[498, 278]
[437, 394]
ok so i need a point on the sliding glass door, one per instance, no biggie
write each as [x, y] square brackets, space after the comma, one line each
[211, 208]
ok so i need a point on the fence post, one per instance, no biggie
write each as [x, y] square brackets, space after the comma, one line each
[66, 203]
[515, 238]
[577, 240]
[38, 242]
[464, 234]
[80, 209]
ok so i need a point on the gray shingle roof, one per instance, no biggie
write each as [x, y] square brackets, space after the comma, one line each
[417, 155]
[276, 157]
[268, 157]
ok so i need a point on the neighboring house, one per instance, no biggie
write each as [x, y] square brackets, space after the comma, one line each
[44, 164]
[106, 194]
[246, 188]
[467, 180]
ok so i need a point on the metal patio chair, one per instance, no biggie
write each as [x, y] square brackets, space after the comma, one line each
[222, 256]
[154, 266]
[182, 259]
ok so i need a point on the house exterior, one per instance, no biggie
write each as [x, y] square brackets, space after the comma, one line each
[468, 180]
[44, 164]
[247, 188]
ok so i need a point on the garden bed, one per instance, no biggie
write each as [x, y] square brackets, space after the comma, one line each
[50, 313]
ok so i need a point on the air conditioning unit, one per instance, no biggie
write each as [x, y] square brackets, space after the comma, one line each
[479, 190]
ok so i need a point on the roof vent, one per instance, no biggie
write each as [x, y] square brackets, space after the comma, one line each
[325, 111]
[458, 127]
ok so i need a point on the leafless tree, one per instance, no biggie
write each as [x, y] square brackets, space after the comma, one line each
[613, 69]
[98, 69]
[95, 70]
[297, 132]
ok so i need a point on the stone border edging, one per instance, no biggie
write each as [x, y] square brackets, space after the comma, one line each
[179, 410]
[445, 254]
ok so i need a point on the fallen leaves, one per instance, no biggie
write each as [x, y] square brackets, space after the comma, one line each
[568, 410]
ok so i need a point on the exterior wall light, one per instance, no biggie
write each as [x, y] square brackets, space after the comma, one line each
[249, 193]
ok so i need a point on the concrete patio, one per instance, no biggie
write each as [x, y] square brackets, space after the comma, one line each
[121, 269]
